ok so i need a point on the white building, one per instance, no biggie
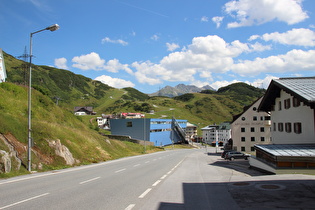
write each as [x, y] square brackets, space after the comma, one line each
[191, 131]
[291, 102]
[250, 127]
[3, 74]
[216, 133]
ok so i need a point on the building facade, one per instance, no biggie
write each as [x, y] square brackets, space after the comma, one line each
[159, 131]
[213, 134]
[251, 127]
[291, 102]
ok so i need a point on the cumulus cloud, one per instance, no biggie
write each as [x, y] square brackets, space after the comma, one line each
[118, 41]
[291, 61]
[297, 36]
[90, 61]
[204, 56]
[114, 82]
[217, 20]
[172, 46]
[93, 61]
[248, 12]
[61, 63]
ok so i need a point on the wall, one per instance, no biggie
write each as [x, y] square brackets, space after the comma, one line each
[303, 114]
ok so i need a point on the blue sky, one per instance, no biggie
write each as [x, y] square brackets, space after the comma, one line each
[148, 45]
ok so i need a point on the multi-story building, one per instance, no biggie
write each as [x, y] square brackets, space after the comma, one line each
[213, 134]
[291, 102]
[250, 127]
[191, 131]
[159, 131]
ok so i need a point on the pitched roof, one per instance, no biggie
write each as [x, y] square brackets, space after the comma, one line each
[302, 88]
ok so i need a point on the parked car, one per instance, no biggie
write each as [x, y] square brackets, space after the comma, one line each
[226, 151]
[236, 155]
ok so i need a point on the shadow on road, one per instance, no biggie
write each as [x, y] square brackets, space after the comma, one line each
[273, 194]
[240, 166]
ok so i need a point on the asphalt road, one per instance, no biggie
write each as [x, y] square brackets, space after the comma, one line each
[174, 179]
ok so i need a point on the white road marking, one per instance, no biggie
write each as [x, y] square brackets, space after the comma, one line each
[120, 170]
[147, 162]
[23, 201]
[90, 180]
[136, 165]
[163, 177]
[145, 193]
[156, 183]
[130, 207]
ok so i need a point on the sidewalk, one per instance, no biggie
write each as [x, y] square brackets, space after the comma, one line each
[206, 181]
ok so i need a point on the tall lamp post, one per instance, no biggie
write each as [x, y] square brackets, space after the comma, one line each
[29, 151]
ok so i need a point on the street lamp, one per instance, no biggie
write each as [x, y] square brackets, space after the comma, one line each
[50, 28]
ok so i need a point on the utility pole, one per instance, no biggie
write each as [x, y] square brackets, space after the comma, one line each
[25, 64]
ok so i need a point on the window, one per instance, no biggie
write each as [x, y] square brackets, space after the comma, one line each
[262, 138]
[252, 149]
[267, 118]
[243, 149]
[242, 129]
[243, 118]
[296, 102]
[254, 108]
[252, 129]
[262, 129]
[242, 138]
[255, 118]
[287, 103]
[252, 138]
[280, 127]
[279, 108]
[129, 124]
[297, 127]
[274, 127]
[288, 127]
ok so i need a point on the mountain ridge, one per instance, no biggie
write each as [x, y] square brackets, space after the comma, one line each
[180, 89]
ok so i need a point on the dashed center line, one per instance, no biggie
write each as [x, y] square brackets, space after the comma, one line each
[130, 207]
[163, 177]
[120, 170]
[147, 162]
[90, 180]
[145, 193]
[32, 198]
[156, 183]
[136, 165]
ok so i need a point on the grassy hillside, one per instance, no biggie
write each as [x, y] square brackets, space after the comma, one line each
[51, 122]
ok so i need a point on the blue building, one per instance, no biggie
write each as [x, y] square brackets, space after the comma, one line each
[159, 131]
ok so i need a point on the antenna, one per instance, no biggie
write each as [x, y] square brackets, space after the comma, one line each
[24, 57]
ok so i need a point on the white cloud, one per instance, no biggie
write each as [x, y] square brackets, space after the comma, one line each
[90, 61]
[249, 12]
[114, 82]
[155, 37]
[172, 46]
[217, 20]
[291, 61]
[204, 56]
[118, 41]
[93, 61]
[114, 66]
[204, 19]
[61, 63]
[297, 36]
